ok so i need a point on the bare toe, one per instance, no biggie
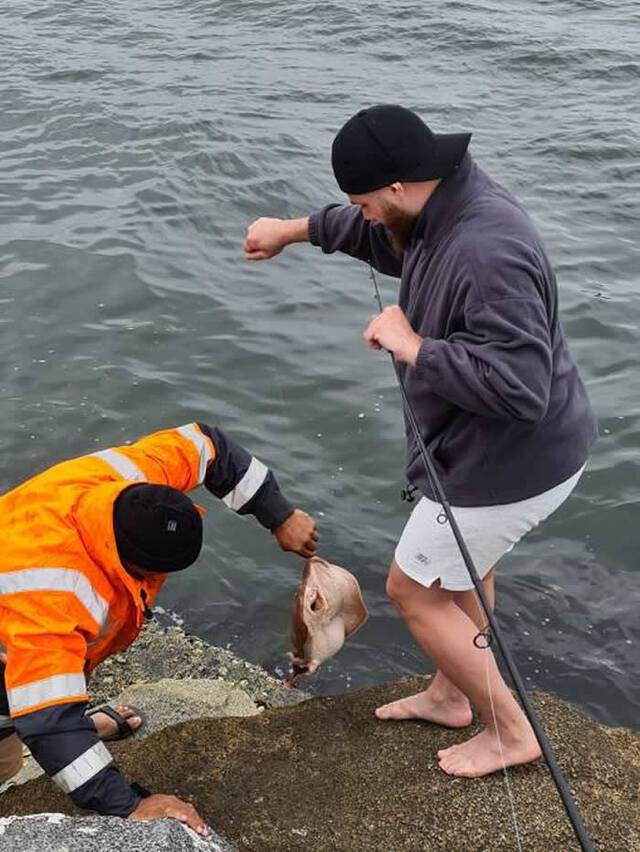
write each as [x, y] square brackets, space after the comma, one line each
[446, 764]
[134, 722]
[444, 752]
[127, 713]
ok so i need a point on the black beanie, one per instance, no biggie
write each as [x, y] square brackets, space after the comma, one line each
[156, 528]
[387, 143]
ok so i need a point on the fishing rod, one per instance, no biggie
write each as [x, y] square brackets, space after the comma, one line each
[563, 789]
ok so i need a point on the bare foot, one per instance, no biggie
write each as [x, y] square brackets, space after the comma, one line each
[106, 726]
[430, 708]
[481, 754]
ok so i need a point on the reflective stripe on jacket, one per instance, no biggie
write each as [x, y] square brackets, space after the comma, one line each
[67, 603]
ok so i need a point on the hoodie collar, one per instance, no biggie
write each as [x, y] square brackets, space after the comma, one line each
[444, 206]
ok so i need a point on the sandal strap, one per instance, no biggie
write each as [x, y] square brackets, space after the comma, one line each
[124, 729]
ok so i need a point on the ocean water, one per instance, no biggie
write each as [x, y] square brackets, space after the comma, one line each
[138, 141]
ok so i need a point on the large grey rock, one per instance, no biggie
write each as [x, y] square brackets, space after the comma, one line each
[58, 833]
[170, 653]
[170, 701]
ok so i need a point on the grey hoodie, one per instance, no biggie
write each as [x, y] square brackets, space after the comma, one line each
[497, 395]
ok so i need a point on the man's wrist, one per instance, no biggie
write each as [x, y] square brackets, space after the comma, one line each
[272, 508]
[286, 512]
[134, 807]
[413, 350]
[296, 230]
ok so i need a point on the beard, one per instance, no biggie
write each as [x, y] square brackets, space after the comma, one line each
[399, 226]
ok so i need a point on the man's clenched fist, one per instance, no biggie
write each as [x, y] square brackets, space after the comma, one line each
[298, 533]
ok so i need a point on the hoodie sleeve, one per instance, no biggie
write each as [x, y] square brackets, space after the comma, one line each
[341, 227]
[499, 366]
[196, 454]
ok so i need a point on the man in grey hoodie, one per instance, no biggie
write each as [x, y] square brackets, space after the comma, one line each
[496, 393]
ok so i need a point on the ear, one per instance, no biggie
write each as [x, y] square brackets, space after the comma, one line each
[397, 188]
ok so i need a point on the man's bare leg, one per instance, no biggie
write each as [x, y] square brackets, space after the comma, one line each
[471, 603]
[445, 633]
[442, 702]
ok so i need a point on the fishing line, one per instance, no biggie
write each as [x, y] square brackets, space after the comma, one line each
[507, 783]
[441, 497]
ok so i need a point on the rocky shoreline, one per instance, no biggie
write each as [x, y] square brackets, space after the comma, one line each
[143, 676]
[270, 770]
[169, 652]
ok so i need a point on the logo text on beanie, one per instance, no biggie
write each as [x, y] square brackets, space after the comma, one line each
[172, 526]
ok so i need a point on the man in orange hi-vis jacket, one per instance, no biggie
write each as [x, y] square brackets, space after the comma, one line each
[86, 546]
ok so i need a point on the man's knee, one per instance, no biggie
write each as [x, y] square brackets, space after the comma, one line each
[390, 588]
[412, 598]
[10, 757]
[398, 585]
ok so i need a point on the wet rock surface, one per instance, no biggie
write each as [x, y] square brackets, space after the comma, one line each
[326, 775]
[170, 653]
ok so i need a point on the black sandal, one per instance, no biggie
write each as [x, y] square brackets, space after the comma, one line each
[124, 728]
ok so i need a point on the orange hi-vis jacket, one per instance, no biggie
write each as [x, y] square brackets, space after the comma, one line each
[67, 603]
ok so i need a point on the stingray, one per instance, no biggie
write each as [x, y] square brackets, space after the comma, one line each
[327, 608]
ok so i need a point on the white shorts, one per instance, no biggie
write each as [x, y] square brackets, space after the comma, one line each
[427, 550]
